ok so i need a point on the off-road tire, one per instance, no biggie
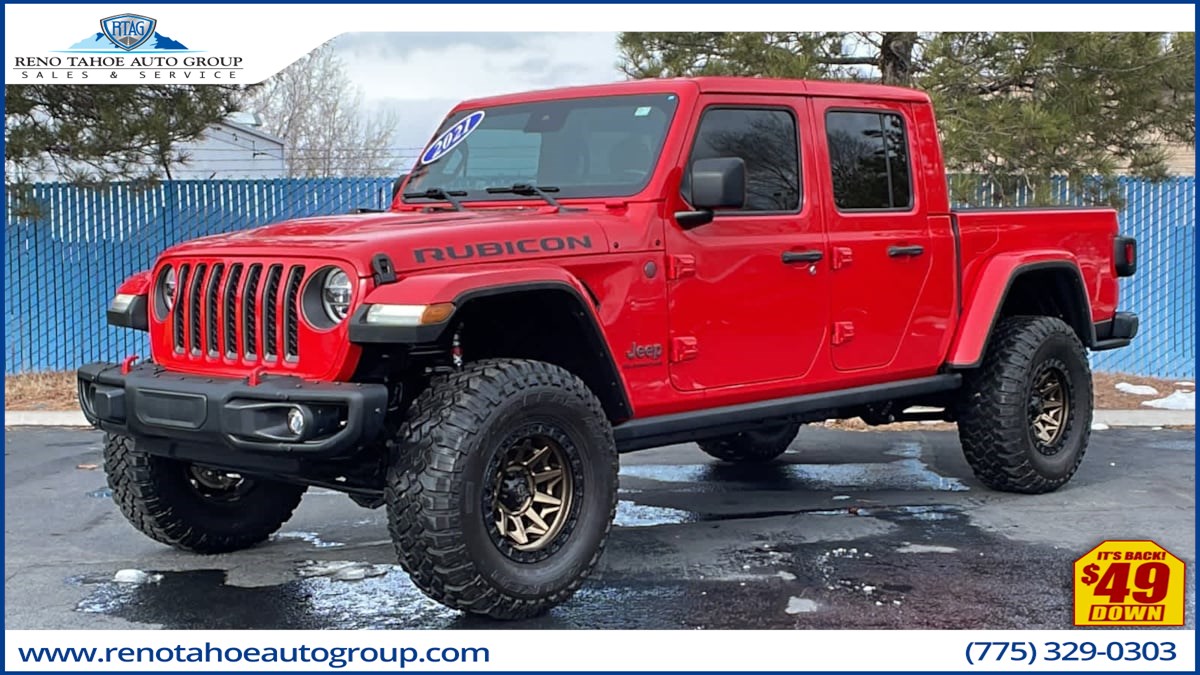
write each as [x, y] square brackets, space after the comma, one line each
[994, 411]
[752, 447]
[156, 496]
[438, 511]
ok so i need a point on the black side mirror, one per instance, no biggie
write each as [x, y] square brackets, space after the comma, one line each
[717, 183]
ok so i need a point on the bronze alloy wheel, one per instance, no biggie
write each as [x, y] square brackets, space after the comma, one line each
[216, 484]
[1049, 408]
[531, 494]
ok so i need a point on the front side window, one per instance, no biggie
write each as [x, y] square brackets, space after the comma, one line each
[766, 140]
[868, 159]
[591, 147]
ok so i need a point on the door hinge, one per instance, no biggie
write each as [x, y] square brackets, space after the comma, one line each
[679, 266]
[843, 332]
[683, 349]
[842, 256]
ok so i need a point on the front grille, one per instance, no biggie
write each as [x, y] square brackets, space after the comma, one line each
[181, 282]
[211, 294]
[291, 322]
[230, 323]
[250, 313]
[270, 322]
[237, 310]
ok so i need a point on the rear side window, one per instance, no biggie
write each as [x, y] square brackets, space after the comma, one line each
[766, 140]
[868, 158]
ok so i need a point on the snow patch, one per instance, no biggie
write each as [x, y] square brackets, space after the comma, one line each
[1179, 400]
[341, 570]
[786, 576]
[136, 577]
[310, 537]
[926, 548]
[1137, 389]
[1100, 426]
[801, 606]
[631, 514]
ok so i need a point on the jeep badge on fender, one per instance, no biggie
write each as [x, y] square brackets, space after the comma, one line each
[475, 358]
[637, 352]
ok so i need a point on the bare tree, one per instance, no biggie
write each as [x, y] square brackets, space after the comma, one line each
[315, 108]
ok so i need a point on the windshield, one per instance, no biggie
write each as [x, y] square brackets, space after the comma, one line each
[588, 147]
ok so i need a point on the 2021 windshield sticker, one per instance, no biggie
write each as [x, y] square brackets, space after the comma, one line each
[452, 137]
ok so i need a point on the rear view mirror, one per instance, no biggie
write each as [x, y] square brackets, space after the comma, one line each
[717, 183]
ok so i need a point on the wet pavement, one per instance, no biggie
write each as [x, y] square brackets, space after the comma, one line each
[848, 530]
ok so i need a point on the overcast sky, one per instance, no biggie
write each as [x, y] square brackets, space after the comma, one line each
[422, 75]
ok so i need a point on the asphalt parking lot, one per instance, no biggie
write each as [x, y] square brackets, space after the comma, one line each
[849, 530]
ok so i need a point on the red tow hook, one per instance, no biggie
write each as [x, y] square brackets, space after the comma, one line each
[128, 363]
[255, 377]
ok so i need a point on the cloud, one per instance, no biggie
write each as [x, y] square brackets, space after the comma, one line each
[401, 44]
[422, 75]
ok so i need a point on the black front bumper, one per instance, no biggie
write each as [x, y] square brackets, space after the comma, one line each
[226, 421]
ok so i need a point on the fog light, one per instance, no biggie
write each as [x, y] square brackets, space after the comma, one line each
[296, 422]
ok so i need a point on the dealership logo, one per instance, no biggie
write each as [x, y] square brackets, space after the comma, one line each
[128, 50]
[128, 31]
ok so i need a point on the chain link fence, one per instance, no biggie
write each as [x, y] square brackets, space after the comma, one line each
[63, 265]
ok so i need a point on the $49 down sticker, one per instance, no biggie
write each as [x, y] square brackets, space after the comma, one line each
[1129, 583]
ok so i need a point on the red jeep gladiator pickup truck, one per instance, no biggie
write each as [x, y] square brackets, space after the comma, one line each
[570, 274]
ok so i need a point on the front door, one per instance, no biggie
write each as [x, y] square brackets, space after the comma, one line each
[880, 245]
[749, 300]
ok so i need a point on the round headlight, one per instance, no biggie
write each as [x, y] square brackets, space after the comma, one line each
[168, 288]
[335, 295]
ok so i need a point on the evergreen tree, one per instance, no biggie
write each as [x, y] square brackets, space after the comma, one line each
[91, 135]
[1014, 108]
[94, 134]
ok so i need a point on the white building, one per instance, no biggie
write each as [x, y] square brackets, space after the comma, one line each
[235, 147]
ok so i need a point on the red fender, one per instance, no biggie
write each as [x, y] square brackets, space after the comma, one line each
[460, 286]
[452, 285]
[136, 284]
[984, 300]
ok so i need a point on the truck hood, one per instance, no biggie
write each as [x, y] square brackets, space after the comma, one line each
[415, 240]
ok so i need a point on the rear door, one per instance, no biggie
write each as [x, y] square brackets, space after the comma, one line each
[878, 229]
[749, 300]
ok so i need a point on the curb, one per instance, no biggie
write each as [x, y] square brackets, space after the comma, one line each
[1112, 418]
[1145, 418]
[45, 418]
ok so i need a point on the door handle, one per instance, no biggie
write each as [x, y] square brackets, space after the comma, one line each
[793, 257]
[905, 251]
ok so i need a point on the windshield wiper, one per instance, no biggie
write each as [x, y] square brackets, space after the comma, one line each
[439, 193]
[527, 190]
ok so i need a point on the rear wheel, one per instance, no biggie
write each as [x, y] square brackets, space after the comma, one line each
[1025, 416]
[503, 487]
[757, 445]
[191, 507]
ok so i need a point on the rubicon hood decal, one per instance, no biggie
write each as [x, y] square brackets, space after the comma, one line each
[492, 249]
[417, 240]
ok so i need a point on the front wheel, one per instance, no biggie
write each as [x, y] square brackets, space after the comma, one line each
[192, 507]
[1025, 415]
[503, 487]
